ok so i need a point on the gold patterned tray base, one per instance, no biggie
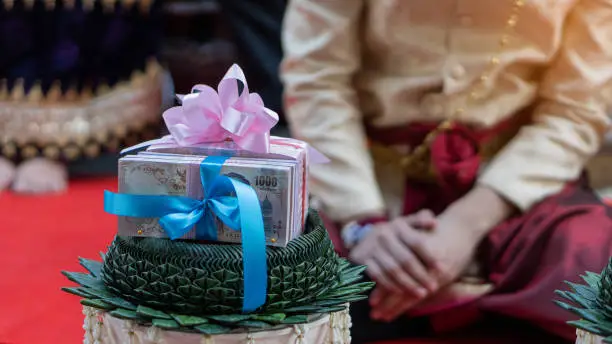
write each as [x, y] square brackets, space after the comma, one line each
[102, 328]
[583, 337]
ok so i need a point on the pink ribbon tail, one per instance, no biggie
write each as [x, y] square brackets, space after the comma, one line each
[314, 156]
[317, 157]
[160, 141]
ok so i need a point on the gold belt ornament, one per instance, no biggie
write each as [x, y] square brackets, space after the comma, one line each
[421, 170]
[418, 166]
[69, 125]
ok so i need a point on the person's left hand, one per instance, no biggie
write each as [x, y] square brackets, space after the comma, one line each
[452, 245]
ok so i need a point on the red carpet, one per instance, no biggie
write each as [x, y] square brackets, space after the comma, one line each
[43, 235]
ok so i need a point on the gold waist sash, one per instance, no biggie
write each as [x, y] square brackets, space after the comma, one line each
[415, 161]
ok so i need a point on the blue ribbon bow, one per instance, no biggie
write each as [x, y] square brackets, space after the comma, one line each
[178, 214]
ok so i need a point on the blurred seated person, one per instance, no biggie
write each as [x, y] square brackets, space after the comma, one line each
[78, 80]
[458, 132]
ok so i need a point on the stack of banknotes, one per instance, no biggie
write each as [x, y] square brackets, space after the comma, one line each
[279, 181]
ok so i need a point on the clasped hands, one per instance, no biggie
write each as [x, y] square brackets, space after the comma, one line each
[414, 257]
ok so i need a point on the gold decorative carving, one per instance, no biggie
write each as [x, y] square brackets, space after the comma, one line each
[88, 5]
[74, 122]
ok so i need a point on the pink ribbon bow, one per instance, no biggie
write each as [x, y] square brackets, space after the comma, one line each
[207, 116]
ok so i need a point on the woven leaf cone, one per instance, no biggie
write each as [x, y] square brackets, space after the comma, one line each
[592, 302]
[208, 279]
[604, 296]
[199, 287]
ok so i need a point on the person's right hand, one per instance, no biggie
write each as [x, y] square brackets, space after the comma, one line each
[390, 262]
[387, 306]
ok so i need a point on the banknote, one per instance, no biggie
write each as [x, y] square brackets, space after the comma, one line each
[279, 149]
[149, 178]
[299, 188]
[180, 175]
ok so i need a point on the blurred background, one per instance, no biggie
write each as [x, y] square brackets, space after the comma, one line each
[195, 41]
[199, 40]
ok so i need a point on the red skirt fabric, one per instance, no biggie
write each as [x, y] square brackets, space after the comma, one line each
[528, 256]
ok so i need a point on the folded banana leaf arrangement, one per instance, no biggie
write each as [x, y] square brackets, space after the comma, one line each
[180, 285]
[201, 251]
[592, 302]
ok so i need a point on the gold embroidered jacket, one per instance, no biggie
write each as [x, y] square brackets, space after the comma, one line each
[392, 62]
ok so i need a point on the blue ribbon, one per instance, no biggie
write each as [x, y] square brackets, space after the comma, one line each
[178, 214]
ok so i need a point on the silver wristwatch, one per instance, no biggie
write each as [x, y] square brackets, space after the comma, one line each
[353, 232]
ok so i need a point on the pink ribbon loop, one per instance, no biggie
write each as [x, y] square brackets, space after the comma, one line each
[207, 115]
